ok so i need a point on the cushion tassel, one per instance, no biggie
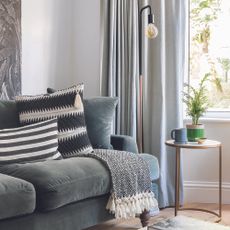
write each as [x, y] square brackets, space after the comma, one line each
[130, 206]
[78, 102]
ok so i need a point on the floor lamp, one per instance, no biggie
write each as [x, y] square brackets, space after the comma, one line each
[150, 32]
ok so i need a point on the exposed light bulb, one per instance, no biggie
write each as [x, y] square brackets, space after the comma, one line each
[151, 31]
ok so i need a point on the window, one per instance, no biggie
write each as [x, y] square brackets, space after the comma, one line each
[210, 50]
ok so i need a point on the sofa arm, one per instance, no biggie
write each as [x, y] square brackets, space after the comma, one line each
[124, 143]
[153, 165]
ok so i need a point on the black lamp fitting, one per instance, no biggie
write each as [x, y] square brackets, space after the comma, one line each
[150, 18]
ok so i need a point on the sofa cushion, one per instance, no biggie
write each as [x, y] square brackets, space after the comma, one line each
[58, 183]
[17, 197]
[153, 165]
[30, 143]
[67, 106]
[99, 114]
[8, 115]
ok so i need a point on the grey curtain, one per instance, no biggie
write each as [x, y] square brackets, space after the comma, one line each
[164, 73]
[119, 59]
[163, 70]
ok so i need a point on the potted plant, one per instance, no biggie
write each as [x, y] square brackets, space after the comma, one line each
[197, 103]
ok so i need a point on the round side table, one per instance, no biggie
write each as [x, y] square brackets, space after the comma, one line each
[194, 145]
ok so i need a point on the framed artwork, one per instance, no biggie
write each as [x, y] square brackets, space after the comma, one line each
[10, 49]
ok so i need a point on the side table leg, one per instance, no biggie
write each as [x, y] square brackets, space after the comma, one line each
[177, 181]
[220, 181]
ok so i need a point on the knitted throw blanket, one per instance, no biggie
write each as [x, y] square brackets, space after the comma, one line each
[130, 194]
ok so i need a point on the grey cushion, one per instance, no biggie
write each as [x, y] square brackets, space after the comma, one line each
[8, 115]
[99, 113]
[58, 183]
[17, 197]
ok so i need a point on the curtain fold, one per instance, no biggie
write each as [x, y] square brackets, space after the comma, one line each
[119, 59]
[163, 67]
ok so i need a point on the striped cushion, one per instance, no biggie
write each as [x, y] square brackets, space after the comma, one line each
[37, 142]
[67, 106]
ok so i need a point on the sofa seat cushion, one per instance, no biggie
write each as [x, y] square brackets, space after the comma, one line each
[58, 183]
[17, 197]
[153, 165]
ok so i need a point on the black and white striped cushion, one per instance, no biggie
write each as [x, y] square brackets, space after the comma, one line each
[67, 106]
[36, 142]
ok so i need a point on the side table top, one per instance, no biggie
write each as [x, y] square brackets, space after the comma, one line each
[195, 145]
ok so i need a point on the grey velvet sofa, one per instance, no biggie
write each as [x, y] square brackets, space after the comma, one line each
[68, 194]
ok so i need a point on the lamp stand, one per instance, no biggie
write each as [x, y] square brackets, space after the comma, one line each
[140, 99]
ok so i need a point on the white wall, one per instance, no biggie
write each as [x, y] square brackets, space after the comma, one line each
[60, 44]
[201, 166]
[87, 45]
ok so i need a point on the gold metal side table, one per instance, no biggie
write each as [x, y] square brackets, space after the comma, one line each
[194, 145]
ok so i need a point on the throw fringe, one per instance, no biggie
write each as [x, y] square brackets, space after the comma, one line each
[131, 206]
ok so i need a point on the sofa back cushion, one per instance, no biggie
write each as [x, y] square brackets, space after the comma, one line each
[8, 115]
[99, 114]
[31, 143]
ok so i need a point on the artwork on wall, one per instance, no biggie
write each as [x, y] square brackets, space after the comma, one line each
[10, 48]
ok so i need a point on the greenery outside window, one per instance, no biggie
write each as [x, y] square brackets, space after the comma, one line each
[209, 52]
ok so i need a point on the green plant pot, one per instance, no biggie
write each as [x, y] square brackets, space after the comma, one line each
[195, 132]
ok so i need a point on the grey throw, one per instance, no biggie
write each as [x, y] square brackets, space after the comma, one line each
[130, 175]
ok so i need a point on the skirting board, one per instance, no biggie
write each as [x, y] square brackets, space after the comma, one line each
[205, 192]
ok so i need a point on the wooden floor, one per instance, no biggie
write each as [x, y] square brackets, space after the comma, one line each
[134, 224]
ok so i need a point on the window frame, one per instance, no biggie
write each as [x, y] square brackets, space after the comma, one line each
[211, 114]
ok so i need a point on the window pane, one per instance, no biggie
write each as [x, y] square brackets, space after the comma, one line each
[210, 49]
